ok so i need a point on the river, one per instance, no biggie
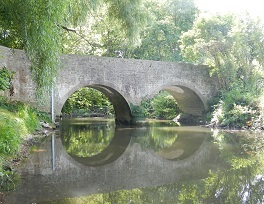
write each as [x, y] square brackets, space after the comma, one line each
[92, 161]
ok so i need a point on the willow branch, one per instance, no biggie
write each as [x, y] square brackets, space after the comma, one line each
[80, 35]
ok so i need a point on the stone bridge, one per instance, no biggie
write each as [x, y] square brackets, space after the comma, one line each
[123, 81]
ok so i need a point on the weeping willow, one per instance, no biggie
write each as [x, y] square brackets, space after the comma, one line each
[38, 26]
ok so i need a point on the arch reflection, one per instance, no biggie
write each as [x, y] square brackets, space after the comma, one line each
[93, 143]
[171, 143]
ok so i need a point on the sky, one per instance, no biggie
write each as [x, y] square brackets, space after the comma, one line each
[253, 7]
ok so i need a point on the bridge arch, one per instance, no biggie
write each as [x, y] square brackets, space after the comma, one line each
[122, 111]
[190, 100]
[129, 80]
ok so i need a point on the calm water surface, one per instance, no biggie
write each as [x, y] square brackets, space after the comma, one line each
[92, 161]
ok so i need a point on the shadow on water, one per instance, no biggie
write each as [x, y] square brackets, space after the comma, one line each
[91, 161]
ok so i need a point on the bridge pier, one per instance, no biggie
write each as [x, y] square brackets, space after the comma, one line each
[122, 111]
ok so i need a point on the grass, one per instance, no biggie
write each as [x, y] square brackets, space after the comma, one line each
[17, 120]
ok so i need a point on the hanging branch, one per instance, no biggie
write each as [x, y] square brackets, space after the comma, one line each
[80, 35]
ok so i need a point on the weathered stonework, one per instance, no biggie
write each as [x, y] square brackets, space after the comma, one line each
[123, 81]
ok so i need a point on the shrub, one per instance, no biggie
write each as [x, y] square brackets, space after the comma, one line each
[235, 108]
[11, 130]
[163, 106]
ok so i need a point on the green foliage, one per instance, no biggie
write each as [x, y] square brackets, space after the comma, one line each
[108, 29]
[5, 79]
[87, 101]
[37, 26]
[131, 16]
[17, 120]
[225, 44]
[11, 130]
[162, 106]
[236, 107]
[34, 24]
[30, 118]
[160, 40]
[137, 111]
[231, 47]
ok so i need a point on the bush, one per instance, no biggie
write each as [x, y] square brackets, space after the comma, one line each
[238, 116]
[162, 106]
[86, 101]
[137, 112]
[235, 107]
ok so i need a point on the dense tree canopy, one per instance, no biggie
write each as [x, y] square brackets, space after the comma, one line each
[160, 41]
[231, 46]
[37, 27]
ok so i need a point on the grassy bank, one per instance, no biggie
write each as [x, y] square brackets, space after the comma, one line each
[17, 122]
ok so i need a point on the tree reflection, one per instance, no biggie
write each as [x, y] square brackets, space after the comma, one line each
[86, 140]
[237, 179]
[155, 138]
[242, 181]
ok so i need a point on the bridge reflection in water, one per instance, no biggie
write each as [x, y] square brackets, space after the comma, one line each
[133, 158]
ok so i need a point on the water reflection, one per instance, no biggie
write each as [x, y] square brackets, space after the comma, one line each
[95, 143]
[86, 137]
[185, 165]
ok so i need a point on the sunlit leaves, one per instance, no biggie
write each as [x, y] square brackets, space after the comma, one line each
[231, 46]
[130, 14]
[37, 27]
[90, 101]
[160, 41]
[162, 106]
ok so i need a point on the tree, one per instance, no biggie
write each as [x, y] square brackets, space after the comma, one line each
[87, 101]
[208, 42]
[230, 46]
[162, 106]
[160, 41]
[37, 27]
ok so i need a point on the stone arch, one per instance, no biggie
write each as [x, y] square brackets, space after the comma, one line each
[123, 114]
[190, 100]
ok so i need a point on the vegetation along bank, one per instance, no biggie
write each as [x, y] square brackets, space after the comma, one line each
[174, 30]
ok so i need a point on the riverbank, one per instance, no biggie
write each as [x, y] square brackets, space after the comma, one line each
[10, 164]
[20, 128]
[30, 140]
